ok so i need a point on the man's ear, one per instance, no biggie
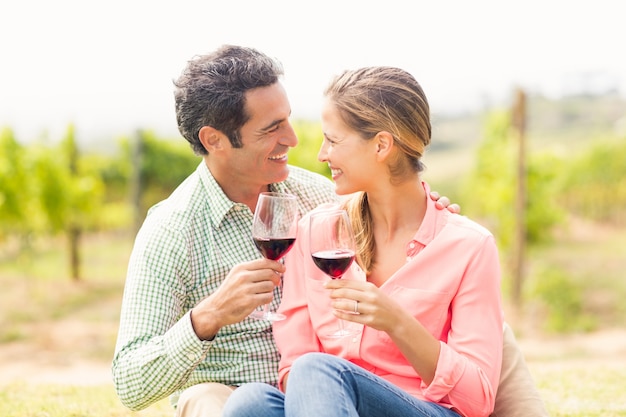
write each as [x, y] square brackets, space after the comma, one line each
[210, 138]
[384, 145]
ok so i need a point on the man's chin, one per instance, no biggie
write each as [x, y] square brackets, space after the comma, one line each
[280, 177]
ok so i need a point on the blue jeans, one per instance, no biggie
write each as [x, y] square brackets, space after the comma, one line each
[322, 385]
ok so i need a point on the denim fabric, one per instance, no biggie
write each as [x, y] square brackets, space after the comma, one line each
[322, 385]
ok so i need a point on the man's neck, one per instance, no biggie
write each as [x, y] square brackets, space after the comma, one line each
[238, 190]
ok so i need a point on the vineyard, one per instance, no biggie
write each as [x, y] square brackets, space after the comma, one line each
[68, 215]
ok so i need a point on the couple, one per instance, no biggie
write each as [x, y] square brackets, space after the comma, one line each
[432, 326]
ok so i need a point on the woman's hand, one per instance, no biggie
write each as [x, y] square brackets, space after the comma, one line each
[364, 303]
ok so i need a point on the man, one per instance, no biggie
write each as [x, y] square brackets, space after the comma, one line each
[194, 274]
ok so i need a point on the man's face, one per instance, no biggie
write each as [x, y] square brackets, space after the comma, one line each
[266, 138]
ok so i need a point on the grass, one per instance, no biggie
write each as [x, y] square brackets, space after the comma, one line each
[42, 310]
[37, 289]
[581, 390]
[577, 391]
[24, 400]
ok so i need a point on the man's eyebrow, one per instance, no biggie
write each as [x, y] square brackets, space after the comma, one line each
[271, 125]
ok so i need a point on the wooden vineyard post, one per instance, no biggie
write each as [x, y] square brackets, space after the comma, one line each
[519, 241]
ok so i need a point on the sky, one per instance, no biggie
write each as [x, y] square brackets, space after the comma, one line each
[107, 66]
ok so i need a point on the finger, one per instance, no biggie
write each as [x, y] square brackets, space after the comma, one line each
[333, 284]
[260, 286]
[263, 263]
[346, 305]
[346, 293]
[454, 208]
[443, 202]
[276, 277]
[351, 317]
[268, 276]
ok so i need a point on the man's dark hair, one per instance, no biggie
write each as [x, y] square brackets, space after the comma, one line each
[211, 91]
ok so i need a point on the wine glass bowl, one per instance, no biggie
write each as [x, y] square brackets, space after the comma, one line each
[333, 248]
[273, 249]
[274, 230]
[333, 263]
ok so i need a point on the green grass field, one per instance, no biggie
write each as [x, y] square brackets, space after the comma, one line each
[27, 400]
[583, 390]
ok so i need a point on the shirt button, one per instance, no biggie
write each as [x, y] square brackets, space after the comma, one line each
[412, 245]
[191, 356]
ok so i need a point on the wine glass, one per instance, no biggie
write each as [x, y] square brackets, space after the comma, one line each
[333, 249]
[274, 233]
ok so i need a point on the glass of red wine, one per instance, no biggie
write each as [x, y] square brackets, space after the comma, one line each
[333, 249]
[274, 233]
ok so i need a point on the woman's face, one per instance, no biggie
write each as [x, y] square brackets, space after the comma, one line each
[352, 159]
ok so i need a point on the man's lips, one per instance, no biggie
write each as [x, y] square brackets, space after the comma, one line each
[278, 157]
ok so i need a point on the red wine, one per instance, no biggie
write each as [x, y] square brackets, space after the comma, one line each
[274, 248]
[333, 262]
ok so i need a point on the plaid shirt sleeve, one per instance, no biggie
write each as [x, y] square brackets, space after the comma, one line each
[157, 348]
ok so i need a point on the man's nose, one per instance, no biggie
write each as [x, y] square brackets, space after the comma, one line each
[289, 138]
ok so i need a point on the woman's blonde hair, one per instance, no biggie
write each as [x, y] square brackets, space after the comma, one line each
[382, 99]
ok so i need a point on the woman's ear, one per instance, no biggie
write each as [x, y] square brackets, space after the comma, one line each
[210, 138]
[384, 145]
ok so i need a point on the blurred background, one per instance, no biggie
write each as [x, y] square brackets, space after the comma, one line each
[528, 104]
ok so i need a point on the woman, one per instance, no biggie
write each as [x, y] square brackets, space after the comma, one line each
[425, 290]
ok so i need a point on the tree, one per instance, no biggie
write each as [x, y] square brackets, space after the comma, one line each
[70, 195]
[490, 192]
[19, 214]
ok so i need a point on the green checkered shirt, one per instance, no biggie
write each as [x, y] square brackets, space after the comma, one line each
[185, 248]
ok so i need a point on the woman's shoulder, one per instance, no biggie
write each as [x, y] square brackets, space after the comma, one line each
[467, 224]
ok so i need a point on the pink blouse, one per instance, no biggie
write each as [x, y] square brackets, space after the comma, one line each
[450, 283]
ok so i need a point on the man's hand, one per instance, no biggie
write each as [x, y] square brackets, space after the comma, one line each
[444, 202]
[247, 286]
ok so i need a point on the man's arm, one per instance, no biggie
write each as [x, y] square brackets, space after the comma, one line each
[157, 348]
[160, 343]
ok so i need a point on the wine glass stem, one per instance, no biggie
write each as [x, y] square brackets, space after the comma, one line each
[341, 326]
[266, 309]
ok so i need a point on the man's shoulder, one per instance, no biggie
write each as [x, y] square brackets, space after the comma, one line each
[182, 204]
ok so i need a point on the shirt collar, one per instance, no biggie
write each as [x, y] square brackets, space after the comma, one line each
[219, 202]
[433, 222]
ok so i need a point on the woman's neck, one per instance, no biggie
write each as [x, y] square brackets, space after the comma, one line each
[398, 210]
